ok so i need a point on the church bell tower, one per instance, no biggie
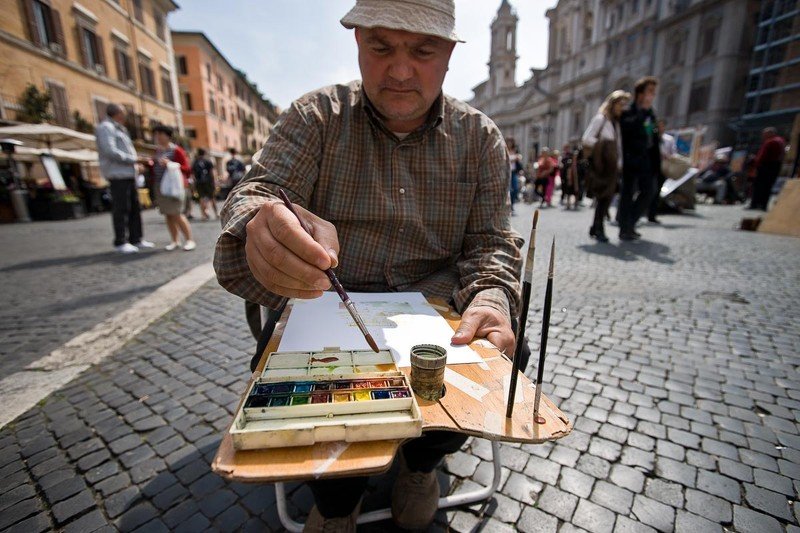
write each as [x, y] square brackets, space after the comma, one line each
[503, 57]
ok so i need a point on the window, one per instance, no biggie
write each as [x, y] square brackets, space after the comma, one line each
[183, 67]
[44, 26]
[124, 66]
[708, 40]
[91, 46]
[208, 71]
[509, 40]
[674, 52]
[166, 87]
[219, 83]
[224, 114]
[212, 104]
[146, 76]
[138, 11]
[158, 16]
[58, 101]
[698, 97]
[187, 101]
[191, 133]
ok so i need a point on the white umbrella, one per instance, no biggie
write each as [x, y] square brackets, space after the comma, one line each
[49, 136]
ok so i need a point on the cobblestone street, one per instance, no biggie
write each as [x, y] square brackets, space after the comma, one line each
[676, 357]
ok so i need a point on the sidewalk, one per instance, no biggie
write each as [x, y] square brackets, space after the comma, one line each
[677, 358]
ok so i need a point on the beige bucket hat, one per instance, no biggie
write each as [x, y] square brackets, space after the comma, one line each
[428, 17]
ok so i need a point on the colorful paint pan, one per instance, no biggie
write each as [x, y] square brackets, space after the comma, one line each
[339, 397]
[302, 399]
[339, 385]
[396, 382]
[257, 401]
[303, 387]
[323, 385]
[279, 401]
[361, 385]
[282, 388]
[362, 395]
[400, 393]
[381, 395]
[321, 397]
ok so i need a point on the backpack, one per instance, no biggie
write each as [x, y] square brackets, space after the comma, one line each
[202, 171]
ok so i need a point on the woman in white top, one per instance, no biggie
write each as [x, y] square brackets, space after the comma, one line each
[603, 140]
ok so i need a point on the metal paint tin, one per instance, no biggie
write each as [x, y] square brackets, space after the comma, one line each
[428, 362]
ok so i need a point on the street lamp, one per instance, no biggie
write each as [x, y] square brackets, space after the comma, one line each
[19, 196]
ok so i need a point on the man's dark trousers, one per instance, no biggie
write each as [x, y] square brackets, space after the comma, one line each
[125, 211]
[765, 180]
[656, 198]
[631, 209]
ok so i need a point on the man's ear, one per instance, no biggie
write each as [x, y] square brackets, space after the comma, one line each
[357, 33]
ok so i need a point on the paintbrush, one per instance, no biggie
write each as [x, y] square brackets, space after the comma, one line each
[548, 300]
[348, 303]
[523, 315]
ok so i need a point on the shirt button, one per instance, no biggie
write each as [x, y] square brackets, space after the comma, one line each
[401, 230]
[402, 190]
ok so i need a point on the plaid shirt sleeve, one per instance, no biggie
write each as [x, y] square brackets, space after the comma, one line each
[491, 261]
[289, 159]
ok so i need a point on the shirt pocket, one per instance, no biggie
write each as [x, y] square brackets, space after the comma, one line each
[444, 209]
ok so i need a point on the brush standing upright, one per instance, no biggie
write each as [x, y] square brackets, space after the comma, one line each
[523, 315]
[548, 301]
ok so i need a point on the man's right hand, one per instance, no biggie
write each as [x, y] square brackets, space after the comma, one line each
[284, 258]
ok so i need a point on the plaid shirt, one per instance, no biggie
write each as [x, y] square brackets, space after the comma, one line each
[426, 213]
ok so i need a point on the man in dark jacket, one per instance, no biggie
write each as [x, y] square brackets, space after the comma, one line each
[641, 158]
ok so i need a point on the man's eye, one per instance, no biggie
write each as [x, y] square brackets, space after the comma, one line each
[423, 52]
[380, 50]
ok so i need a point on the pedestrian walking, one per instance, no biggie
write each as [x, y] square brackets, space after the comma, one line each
[569, 179]
[203, 172]
[171, 208]
[666, 148]
[640, 155]
[602, 142]
[545, 171]
[118, 165]
[235, 169]
[515, 162]
[768, 165]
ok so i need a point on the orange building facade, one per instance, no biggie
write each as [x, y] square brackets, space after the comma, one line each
[221, 108]
[86, 55]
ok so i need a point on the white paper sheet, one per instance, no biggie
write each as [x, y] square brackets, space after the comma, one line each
[396, 320]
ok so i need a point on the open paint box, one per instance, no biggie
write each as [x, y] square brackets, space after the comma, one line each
[302, 398]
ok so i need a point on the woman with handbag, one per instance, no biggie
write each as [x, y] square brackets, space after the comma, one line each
[602, 144]
[170, 184]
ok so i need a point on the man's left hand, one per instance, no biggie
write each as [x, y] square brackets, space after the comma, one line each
[488, 322]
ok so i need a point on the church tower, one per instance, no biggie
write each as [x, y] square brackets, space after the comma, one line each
[503, 57]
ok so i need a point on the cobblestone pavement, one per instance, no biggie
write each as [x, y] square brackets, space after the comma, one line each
[676, 357]
[61, 278]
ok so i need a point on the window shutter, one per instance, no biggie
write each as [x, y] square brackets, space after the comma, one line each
[82, 46]
[119, 63]
[128, 68]
[58, 31]
[101, 55]
[34, 31]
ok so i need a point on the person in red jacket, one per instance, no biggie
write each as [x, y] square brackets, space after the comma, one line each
[171, 208]
[768, 166]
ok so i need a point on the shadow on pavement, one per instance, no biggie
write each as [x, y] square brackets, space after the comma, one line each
[98, 299]
[110, 257]
[631, 251]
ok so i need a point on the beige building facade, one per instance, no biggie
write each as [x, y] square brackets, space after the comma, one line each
[88, 54]
[699, 49]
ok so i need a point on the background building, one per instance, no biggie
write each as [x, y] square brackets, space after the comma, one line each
[87, 55]
[699, 49]
[222, 109]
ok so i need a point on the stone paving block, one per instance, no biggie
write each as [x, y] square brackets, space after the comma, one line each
[638, 458]
[708, 506]
[65, 489]
[670, 450]
[576, 482]
[506, 509]
[735, 469]
[676, 471]
[612, 497]
[696, 524]
[767, 501]
[120, 502]
[511, 458]
[216, 503]
[627, 477]
[73, 506]
[522, 488]
[113, 484]
[533, 520]
[653, 513]
[748, 520]
[718, 485]
[593, 518]
[627, 525]
[91, 521]
[136, 516]
[772, 481]
[557, 502]
[543, 470]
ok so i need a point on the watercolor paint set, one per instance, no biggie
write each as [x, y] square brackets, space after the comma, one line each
[302, 398]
